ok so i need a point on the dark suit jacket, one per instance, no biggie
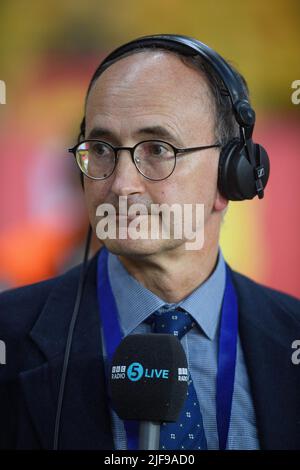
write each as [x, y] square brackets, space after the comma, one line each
[34, 323]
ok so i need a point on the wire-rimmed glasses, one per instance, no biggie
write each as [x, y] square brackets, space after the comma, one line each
[154, 159]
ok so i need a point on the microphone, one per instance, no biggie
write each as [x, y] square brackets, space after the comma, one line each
[148, 383]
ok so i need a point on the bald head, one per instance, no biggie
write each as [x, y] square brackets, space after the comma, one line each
[156, 83]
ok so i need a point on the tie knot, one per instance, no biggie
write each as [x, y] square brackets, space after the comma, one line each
[175, 322]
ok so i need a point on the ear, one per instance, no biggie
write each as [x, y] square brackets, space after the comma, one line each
[220, 202]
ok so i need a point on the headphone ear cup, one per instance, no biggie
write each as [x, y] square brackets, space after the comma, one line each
[236, 180]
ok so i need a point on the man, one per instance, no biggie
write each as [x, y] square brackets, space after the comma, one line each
[162, 101]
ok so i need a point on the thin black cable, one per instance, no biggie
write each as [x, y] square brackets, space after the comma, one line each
[69, 341]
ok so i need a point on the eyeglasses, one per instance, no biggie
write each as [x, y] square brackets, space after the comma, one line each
[154, 159]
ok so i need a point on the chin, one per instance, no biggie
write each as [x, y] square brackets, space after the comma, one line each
[139, 248]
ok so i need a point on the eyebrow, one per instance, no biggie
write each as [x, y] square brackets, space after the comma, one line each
[159, 132]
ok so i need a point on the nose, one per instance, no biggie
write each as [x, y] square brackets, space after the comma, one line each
[126, 178]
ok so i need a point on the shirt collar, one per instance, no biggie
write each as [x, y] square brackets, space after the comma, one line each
[205, 302]
[135, 303]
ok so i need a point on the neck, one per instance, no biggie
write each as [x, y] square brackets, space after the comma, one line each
[174, 274]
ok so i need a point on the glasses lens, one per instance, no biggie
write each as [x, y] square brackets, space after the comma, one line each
[154, 159]
[96, 159]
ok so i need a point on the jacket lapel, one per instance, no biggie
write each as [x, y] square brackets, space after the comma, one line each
[85, 419]
[267, 331]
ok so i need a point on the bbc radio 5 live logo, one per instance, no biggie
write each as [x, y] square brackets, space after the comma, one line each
[135, 371]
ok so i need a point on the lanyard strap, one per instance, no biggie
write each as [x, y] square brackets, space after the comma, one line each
[227, 347]
[112, 331]
[226, 359]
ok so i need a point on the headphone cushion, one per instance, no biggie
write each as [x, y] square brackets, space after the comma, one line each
[229, 152]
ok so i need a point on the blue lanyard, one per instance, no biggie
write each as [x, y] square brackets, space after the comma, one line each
[226, 356]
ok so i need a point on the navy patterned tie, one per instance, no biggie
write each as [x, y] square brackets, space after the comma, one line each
[188, 431]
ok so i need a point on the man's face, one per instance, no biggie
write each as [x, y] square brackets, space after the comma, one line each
[153, 95]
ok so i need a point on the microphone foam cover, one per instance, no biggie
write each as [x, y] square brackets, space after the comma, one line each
[149, 378]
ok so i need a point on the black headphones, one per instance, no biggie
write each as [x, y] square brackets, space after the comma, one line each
[243, 165]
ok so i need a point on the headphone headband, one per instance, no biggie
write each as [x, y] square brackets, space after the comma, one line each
[242, 109]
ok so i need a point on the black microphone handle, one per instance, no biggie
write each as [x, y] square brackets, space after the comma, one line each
[149, 435]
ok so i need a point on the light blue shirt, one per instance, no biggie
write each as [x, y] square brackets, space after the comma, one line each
[135, 303]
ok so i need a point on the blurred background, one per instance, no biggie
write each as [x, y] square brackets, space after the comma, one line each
[48, 52]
